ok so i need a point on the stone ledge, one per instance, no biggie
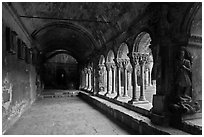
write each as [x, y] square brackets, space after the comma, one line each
[139, 123]
[143, 108]
[191, 128]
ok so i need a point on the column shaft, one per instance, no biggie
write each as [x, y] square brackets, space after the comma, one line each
[108, 82]
[125, 82]
[87, 81]
[134, 85]
[142, 97]
[113, 80]
[119, 66]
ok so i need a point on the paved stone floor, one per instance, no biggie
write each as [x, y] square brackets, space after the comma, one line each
[65, 116]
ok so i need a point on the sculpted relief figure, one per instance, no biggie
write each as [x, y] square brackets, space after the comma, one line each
[183, 102]
[183, 81]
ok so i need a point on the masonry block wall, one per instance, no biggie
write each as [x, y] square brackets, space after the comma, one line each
[18, 77]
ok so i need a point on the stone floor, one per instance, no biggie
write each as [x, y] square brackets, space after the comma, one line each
[65, 116]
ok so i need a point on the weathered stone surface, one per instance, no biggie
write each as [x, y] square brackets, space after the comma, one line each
[136, 121]
[65, 116]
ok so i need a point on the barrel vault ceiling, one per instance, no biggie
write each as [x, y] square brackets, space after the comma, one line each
[95, 19]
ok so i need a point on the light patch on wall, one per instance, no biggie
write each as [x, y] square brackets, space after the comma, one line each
[7, 93]
[17, 109]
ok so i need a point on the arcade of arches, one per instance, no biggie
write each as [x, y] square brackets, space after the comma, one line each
[143, 57]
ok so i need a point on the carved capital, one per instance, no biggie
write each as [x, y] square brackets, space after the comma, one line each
[108, 66]
[113, 66]
[85, 70]
[101, 67]
[142, 59]
[134, 57]
[118, 63]
[125, 63]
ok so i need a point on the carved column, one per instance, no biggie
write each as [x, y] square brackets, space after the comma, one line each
[118, 63]
[108, 67]
[134, 62]
[125, 65]
[113, 77]
[142, 60]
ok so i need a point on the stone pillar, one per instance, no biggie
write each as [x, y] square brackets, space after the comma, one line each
[119, 67]
[80, 80]
[89, 79]
[101, 80]
[142, 60]
[86, 79]
[146, 77]
[125, 65]
[108, 67]
[129, 80]
[149, 78]
[134, 62]
[113, 77]
[104, 79]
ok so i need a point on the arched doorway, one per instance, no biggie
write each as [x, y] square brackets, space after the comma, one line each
[60, 72]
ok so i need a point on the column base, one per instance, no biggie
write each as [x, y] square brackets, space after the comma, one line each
[85, 88]
[112, 92]
[107, 94]
[158, 115]
[124, 96]
[117, 97]
[133, 101]
[142, 98]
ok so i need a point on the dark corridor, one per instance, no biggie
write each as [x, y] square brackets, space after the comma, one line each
[59, 72]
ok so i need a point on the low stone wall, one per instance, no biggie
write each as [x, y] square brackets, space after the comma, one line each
[140, 124]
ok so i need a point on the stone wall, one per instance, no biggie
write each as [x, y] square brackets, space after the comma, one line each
[18, 77]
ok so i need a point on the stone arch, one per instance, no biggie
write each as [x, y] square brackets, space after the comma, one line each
[102, 60]
[190, 16]
[142, 46]
[193, 28]
[123, 51]
[142, 39]
[67, 25]
[110, 56]
[73, 37]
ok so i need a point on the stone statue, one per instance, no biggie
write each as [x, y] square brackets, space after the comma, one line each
[183, 71]
[182, 103]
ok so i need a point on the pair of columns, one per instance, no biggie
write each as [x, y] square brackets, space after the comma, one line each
[110, 66]
[121, 64]
[138, 59]
[86, 79]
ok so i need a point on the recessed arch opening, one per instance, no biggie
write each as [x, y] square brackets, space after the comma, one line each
[60, 71]
[142, 48]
